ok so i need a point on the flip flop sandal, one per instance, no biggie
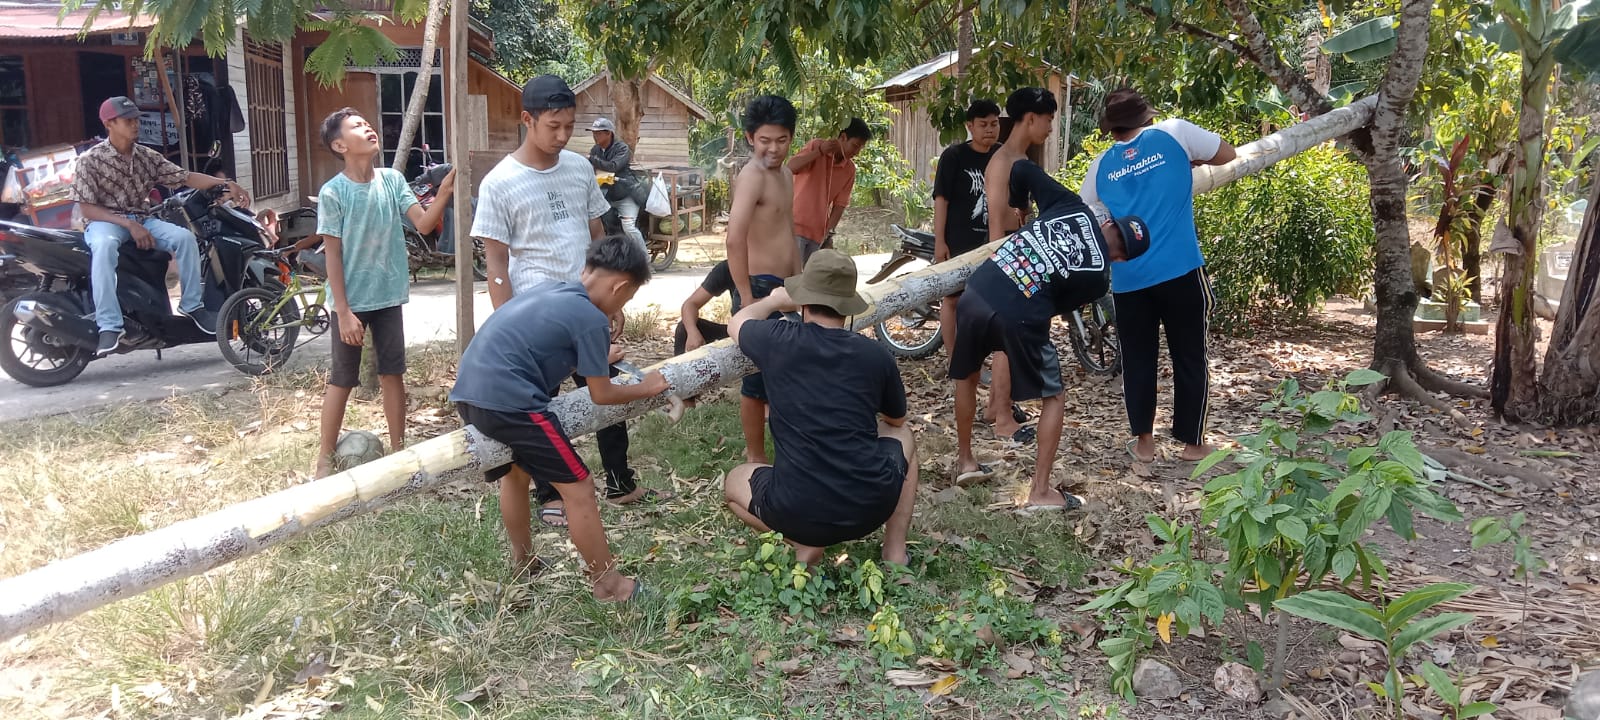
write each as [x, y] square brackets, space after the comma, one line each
[1018, 414]
[547, 513]
[1135, 455]
[984, 472]
[651, 496]
[1073, 503]
[1023, 436]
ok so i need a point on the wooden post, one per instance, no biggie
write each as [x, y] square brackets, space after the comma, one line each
[72, 586]
[461, 156]
[172, 104]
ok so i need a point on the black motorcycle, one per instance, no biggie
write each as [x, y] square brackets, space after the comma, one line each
[48, 334]
[435, 249]
[914, 333]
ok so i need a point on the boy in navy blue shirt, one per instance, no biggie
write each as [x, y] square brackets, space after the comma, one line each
[1051, 266]
[516, 364]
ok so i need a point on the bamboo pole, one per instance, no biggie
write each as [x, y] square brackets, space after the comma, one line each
[67, 588]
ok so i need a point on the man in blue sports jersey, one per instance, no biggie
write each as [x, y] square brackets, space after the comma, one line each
[1147, 172]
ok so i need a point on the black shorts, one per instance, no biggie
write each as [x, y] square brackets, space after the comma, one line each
[538, 443]
[760, 286]
[842, 528]
[388, 328]
[1035, 368]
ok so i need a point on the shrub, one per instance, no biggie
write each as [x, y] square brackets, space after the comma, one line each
[1281, 241]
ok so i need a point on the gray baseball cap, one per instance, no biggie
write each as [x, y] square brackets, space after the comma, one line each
[604, 124]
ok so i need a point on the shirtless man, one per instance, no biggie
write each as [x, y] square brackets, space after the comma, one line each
[1033, 112]
[761, 246]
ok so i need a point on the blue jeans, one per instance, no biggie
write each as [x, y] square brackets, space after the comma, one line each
[104, 238]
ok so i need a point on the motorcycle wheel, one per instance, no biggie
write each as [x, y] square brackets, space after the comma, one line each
[1093, 329]
[252, 342]
[480, 261]
[31, 359]
[913, 334]
[662, 253]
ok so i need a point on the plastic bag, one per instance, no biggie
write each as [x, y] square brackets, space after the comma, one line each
[658, 203]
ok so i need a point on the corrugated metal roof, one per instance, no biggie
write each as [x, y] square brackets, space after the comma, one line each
[23, 19]
[917, 74]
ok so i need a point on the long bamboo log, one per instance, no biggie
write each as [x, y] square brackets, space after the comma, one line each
[67, 588]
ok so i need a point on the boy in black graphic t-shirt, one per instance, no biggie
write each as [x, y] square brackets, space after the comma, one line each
[1049, 267]
[960, 208]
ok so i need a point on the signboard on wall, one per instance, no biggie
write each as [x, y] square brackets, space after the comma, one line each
[157, 128]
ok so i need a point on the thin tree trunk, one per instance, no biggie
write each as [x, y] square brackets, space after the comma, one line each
[419, 93]
[964, 41]
[1514, 388]
[1472, 238]
[1572, 364]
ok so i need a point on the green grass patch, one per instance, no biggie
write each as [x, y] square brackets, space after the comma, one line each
[409, 612]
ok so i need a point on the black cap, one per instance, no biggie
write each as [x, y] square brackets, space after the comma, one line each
[1135, 235]
[547, 92]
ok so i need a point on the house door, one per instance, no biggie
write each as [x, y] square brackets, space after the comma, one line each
[100, 76]
[359, 91]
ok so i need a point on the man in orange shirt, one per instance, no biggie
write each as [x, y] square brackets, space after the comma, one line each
[824, 174]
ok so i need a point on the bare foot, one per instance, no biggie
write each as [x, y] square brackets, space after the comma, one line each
[1006, 426]
[324, 469]
[1144, 450]
[897, 556]
[1196, 453]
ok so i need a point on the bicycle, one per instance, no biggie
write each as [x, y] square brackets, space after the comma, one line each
[258, 327]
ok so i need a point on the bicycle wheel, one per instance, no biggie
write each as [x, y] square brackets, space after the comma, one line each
[257, 329]
[913, 334]
[1093, 328]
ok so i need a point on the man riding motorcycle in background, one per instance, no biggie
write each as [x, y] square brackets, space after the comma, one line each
[614, 156]
[112, 187]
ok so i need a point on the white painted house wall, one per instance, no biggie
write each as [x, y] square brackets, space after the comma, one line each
[241, 140]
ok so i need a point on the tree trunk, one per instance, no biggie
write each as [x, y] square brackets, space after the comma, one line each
[1514, 388]
[419, 94]
[1472, 238]
[1572, 364]
[627, 97]
[964, 41]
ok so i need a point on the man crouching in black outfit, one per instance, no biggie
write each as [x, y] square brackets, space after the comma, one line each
[845, 464]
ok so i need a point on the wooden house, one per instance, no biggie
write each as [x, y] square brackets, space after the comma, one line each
[914, 135]
[666, 117]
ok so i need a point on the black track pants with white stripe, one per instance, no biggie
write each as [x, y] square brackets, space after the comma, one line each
[1182, 306]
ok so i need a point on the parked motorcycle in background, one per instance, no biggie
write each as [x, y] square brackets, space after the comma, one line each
[914, 333]
[436, 249]
[48, 334]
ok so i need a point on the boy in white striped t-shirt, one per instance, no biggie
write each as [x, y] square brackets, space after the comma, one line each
[538, 211]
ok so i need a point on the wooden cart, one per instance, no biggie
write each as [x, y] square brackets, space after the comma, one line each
[40, 183]
[686, 193]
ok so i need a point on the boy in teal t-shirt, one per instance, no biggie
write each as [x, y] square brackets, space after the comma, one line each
[360, 214]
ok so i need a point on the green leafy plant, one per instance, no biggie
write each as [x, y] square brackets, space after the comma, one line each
[1397, 626]
[968, 627]
[1173, 592]
[1284, 529]
[888, 637]
[767, 578]
[1450, 692]
[1494, 531]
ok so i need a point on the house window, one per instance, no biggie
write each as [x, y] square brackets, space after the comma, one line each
[269, 147]
[394, 92]
[13, 102]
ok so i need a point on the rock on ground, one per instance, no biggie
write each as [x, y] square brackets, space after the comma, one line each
[1156, 681]
[1237, 681]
